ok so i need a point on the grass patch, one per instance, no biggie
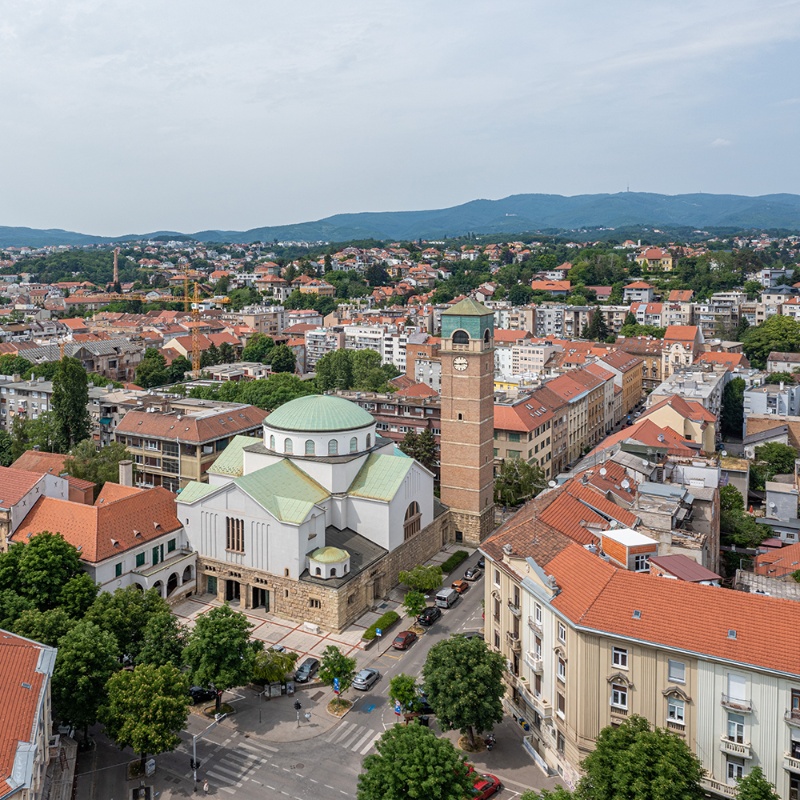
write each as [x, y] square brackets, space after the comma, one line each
[457, 558]
[383, 622]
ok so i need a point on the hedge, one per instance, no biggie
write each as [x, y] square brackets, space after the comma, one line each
[454, 560]
[384, 622]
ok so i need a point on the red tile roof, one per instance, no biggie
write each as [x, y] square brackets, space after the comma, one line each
[40, 462]
[15, 484]
[680, 296]
[689, 409]
[684, 568]
[646, 432]
[729, 360]
[190, 427]
[639, 285]
[510, 337]
[681, 333]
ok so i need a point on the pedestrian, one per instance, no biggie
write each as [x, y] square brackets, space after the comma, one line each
[205, 786]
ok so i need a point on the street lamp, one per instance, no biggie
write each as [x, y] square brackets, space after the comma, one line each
[217, 719]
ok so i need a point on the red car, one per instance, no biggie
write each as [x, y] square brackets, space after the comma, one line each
[486, 786]
[404, 640]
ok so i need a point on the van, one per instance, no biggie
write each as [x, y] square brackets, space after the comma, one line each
[446, 598]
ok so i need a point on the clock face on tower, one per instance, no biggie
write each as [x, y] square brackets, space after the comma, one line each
[460, 363]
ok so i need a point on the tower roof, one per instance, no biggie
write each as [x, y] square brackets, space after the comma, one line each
[468, 308]
[319, 413]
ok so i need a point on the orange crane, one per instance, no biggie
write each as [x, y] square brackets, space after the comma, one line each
[186, 298]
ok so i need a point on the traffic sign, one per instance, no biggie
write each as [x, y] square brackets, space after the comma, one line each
[378, 632]
[398, 708]
[336, 686]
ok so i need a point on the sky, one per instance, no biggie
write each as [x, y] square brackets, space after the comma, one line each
[122, 117]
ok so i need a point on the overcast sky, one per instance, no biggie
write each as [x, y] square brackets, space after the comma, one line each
[122, 117]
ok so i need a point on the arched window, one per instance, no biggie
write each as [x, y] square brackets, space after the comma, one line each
[353, 445]
[369, 440]
[333, 572]
[272, 441]
[486, 336]
[310, 450]
[333, 447]
[287, 446]
[412, 521]
[460, 337]
[318, 571]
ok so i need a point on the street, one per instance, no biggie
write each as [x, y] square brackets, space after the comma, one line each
[264, 746]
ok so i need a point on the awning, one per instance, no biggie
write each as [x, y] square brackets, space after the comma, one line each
[105, 420]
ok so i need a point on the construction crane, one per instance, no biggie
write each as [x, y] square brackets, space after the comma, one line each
[186, 298]
[196, 331]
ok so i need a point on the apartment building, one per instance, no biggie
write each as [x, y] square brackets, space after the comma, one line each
[531, 358]
[638, 292]
[267, 320]
[320, 342]
[576, 396]
[773, 398]
[549, 320]
[627, 371]
[576, 318]
[650, 351]
[559, 426]
[614, 316]
[504, 344]
[173, 445]
[523, 431]
[682, 345]
[704, 385]
[589, 643]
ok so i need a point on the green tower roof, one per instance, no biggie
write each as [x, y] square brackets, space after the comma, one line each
[468, 308]
[319, 413]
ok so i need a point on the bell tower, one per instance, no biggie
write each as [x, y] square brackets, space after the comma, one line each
[467, 440]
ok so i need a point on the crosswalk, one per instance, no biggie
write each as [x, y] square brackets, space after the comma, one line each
[234, 768]
[356, 738]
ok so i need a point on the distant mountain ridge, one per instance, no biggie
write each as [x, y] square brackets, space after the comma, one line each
[515, 214]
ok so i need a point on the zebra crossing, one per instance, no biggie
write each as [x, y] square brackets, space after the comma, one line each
[356, 738]
[234, 768]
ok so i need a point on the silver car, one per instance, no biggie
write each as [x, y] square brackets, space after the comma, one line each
[366, 679]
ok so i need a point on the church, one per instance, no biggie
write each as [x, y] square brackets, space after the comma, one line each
[315, 520]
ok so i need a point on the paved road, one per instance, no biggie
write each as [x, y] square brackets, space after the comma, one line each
[262, 747]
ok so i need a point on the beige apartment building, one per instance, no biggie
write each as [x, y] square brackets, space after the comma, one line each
[576, 397]
[522, 431]
[590, 643]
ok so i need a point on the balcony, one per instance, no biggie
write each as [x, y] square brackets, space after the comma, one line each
[513, 641]
[534, 661]
[542, 707]
[792, 716]
[514, 609]
[619, 711]
[734, 748]
[791, 763]
[737, 704]
[535, 626]
[718, 788]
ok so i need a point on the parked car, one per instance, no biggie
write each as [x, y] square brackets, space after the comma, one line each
[404, 640]
[470, 634]
[278, 648]
[472, 574]
[482, 562]
[307, 670]
[429, 615]
[366, 679]
[486, 786]
[460, 586]
[200, 694]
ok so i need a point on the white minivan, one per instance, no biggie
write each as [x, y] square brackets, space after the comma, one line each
[446, 598]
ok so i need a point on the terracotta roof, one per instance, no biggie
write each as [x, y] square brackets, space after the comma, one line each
[680, 296]
[690, 409]
[600, 597]
[681, 333]
[684, 568]
[729, 360]
[569, 516]
[611, 481]
[40, 462]
[646, 432]
[600, 503]
[503, 335]
[24, 680]
[639, 285]
[551, 286]
[622, 361]
[787, 559]
[417, 390]
[114, 491]
[102, 531]
[598, 372]
[299, 327]
[566, 388]
[190, 427]
[15, 484]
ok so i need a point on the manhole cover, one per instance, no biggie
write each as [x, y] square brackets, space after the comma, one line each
[317, 695]
[299, 766]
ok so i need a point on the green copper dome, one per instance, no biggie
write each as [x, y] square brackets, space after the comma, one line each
[319, 413]
[329, 555]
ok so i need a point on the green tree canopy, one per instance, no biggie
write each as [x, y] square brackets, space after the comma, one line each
[403, 689]
[422, 447]
[778, 458]
[272, 666]
[178, 368]
[518, 481]
[46, 627]
[335, 664]
[146, 708]
[227, 355]
[464, 682]
[69, 404]
[282, 359]
[219, 651]
[412, 762]
[423, 578]
[732, 414]
[634, 761]
[152, 369]
[163, 640]
[778, 333]
[754, 786]
[596, 330]
[88, 463]
[87, 657]
[414, 603]
[28, 434]
[6, 449]
[258, 348]
[334, 371]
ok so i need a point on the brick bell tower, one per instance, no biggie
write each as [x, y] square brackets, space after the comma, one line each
[467, 440]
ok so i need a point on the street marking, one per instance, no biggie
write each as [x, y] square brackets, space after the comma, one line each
[251, 745]
[363, 739]
[370, 745]
[370, 708]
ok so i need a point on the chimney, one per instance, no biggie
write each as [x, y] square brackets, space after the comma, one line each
[126, 472]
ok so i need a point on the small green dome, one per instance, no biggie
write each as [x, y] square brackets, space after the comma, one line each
[319, 413]
[329, 555]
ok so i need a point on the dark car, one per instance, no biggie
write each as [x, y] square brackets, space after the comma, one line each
[200, 694]
[472, 574]
[404, 640]
[482, 562]
[307, 670]
[429, 615]
[422, 704]
[485, 786]
[470, 634]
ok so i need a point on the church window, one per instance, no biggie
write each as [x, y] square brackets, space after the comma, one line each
[287, 446]
[333, 572]
[310, 447]
[369, 440]
[486, 336]
[272, 441]
[412, 521]
[333, 447]
[460, 337]
[318, 571]
[353, 444]
[234, 534]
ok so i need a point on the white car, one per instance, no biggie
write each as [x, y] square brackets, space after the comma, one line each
[366, 679]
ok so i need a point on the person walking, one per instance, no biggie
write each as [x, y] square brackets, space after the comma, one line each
[205, 786]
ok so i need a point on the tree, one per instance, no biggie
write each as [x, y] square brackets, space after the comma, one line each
[464, 682]
[282, 359]
[12, 607]
[376, 275]
[227, 355]
[779, 333]
[630, 320]
[46, 627]
[88, 463]
[634, 761]
[334, 371]
[412, 762]
[272, 666]
[403, 689]
[754, 786]
[45, 565]
[146, 708]
[596, 330]
[219, 651]
[518, 481]
[87, 658]
[335, 664]
[163, 640]
[414, 603]
[778, 458]
[364, 363]
[6, 444]
[69, 404]
[732, 414]
[28, 434]
[752, 289]
[741, 329]
[78, 594]
[423, 578]
[152, 369]
[421, 446]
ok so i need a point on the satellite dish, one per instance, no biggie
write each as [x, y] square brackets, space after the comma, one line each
[645, 462]
[724, 453]
[603, 470]
[626, 484]
[551, 484]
